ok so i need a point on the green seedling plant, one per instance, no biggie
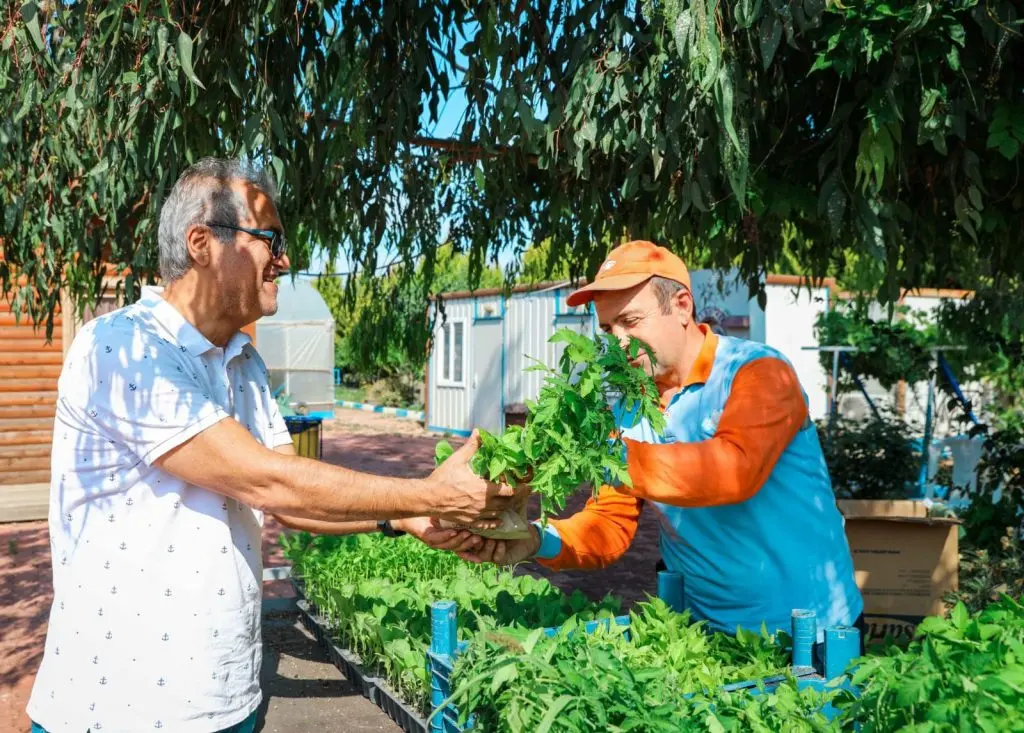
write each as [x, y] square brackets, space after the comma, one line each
[665, 674]
[375, 594]
[964, 672]
[572, 435]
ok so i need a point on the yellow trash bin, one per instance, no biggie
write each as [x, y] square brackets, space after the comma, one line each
[307, 435]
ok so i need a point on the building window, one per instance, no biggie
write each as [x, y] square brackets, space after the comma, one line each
[446, 371]
[453, 354]
[457, 350]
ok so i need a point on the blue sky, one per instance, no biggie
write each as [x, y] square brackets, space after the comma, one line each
[448, 125]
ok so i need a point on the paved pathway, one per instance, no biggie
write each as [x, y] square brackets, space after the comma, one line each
[303, 691]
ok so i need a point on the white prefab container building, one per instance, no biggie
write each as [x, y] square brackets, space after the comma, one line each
[486, 341]
[481, 349]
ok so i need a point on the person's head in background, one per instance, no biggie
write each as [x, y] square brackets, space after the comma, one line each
[714, 319]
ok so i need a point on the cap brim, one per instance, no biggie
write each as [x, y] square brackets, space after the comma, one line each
[613, 282]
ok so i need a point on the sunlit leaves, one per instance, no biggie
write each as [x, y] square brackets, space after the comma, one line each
[708, 126]
[573, 430]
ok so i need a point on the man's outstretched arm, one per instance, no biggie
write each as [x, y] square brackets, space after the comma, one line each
[226, 458]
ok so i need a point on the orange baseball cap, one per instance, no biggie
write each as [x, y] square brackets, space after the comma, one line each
[630, 264]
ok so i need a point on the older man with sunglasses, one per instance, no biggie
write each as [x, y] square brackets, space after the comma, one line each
[168, 451]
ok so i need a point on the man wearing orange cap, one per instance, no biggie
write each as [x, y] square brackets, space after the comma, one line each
[737, 478]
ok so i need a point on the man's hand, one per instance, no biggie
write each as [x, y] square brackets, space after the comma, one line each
[504, 552]
[430, 532]
[465, 498]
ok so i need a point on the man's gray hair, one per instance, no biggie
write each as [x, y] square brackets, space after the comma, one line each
[666, 290]
[202, 194]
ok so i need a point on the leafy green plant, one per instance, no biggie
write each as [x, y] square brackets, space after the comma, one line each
[376, 595]
[870, 458]
[986, 574]
[992, 556]
[664, 675]
[787, 708]
[961, 673]
[573, 431]
[887, 350]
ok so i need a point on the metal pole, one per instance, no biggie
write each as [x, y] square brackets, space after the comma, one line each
[835, 392]
[928, 419]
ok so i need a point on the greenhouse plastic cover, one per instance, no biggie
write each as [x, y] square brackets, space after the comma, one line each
[297, 344]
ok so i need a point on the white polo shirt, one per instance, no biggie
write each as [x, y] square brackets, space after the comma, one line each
[157, 583]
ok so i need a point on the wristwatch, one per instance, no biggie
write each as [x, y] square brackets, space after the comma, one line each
[385, 528]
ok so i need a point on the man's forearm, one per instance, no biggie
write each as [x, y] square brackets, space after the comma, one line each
[225, 458]
[320, 492]
[317, 527]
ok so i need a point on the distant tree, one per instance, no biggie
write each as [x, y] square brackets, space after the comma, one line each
[384, 330]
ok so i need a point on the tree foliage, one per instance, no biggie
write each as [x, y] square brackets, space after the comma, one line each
[887, 130]
[990, 328]
[986, 327]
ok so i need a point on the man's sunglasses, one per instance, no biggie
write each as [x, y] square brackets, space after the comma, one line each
[273, 238]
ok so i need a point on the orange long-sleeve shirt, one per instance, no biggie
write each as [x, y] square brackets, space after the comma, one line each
[764, 411]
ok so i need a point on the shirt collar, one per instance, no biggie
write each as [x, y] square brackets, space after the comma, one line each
[701, 369]
[236, 345]
[181, 332]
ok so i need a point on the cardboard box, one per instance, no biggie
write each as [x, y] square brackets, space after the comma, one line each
[905, 562]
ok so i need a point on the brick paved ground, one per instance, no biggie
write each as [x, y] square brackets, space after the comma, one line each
[361, 441]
